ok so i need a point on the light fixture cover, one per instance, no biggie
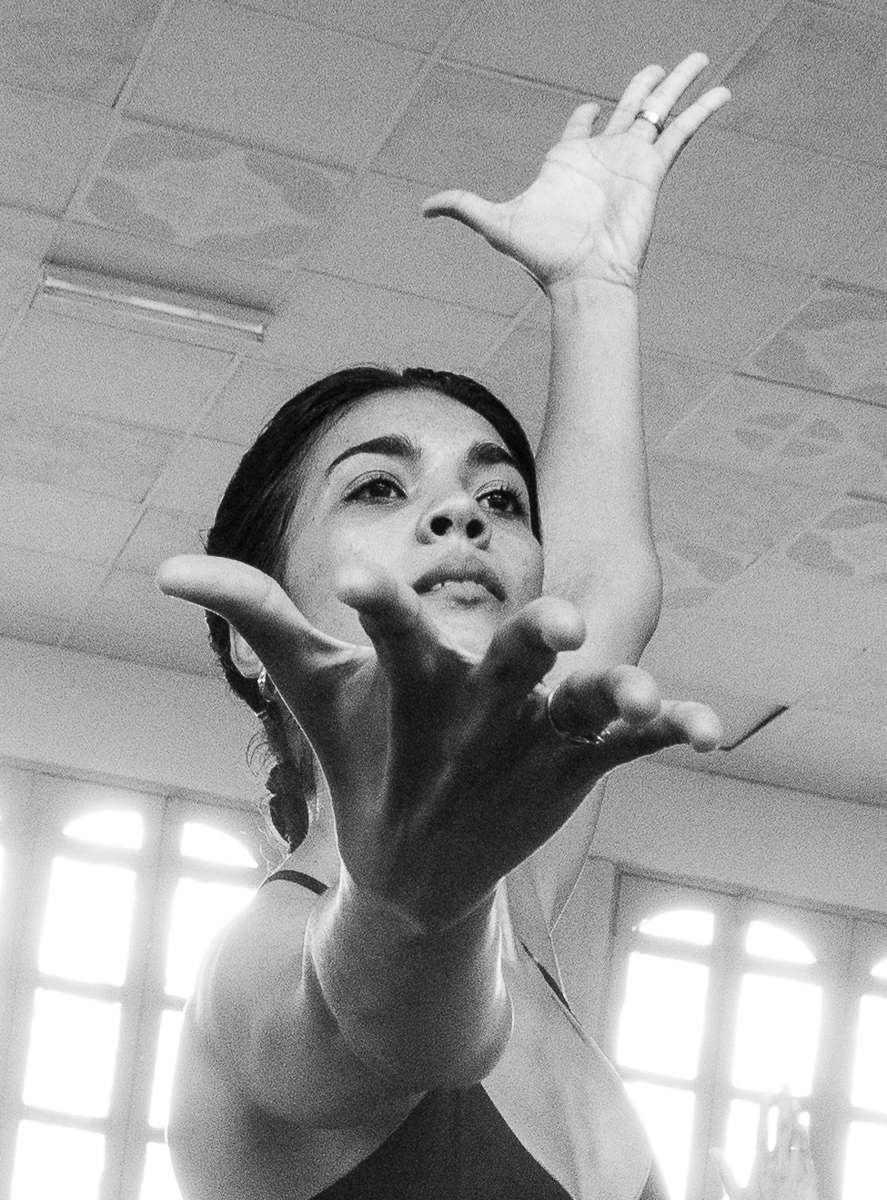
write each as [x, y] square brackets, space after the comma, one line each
[153, 303]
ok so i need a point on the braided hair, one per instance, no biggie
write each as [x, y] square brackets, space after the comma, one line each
[251, 526]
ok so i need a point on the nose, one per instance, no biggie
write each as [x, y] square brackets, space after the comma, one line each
[458, 515]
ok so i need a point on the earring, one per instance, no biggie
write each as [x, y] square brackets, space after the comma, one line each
[267, 690]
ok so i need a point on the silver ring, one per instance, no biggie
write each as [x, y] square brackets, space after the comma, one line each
[647, 114]
[567, 735]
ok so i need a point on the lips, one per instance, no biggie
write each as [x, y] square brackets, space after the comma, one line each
[460, 573]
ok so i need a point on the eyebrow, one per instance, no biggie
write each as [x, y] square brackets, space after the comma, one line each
[397, 445]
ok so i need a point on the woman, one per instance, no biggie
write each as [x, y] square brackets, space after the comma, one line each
[385, 1018]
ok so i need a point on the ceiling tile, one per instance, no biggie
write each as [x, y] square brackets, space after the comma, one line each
[208, 195]
[821, 442]
[40, 594]
[330, 323]
[711, 307]
[800, 608]
[597, 48]
[518, 374]
[411, 23]
[85, 50]
[196, 477]
[712, 522]
[847, 542]
[251, 282]
[811, 78]
[80, 453]
[254, 393]
[722, 648]
[159, 535]
[50, 520]
[858, 688]
[672, 387]
[837, 343]
[808, 751]
[383, 239]
[24, 241]
[867, 266]
[129, 618]
[82, 367]
[774, 203]
[45, 146]
[486, 133]
[221, 68]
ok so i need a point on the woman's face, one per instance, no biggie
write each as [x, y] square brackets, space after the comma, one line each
[421, 485]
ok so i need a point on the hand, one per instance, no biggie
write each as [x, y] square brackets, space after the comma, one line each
[443, 767]
[589, 214]
[784, 1173]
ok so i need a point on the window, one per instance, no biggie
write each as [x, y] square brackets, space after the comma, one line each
[107, 900]
[719, 1001]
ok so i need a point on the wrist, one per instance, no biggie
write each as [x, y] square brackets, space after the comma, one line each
[590, 292]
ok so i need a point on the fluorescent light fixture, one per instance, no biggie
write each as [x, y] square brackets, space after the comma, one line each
[143, 300]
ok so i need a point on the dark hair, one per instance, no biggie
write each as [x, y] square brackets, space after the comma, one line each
[255, 512]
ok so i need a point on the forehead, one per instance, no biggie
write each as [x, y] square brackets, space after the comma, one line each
[422, 415]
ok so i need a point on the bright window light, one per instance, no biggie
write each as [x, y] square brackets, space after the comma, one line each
[865, 1164]
[56, 1163]
[211, 844]
[684, 925]
[742, 1135]
[87, 923]
[777, 1033]
[667, 1115]
[164, 1066]
[660, 1027]
[71, 1054]
[199, 911]
[870, 1063]
[158, 1180]
[879, 971]
[110, 827]
[769, 941]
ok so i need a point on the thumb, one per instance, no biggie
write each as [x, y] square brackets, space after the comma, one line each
[728, 1179]
[475, 212]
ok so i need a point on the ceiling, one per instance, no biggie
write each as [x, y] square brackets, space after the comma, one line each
[274, 153]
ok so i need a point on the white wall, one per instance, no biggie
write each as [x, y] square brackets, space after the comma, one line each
[120, 721]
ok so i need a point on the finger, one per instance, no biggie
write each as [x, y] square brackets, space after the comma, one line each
[682, 128]
[586, 702]
[728, 1179]
[668, 92]
[525, 648]
[256, 606]
[472, 210]
[405, 638]
[633, 99]
[681, 722]
[581, 121]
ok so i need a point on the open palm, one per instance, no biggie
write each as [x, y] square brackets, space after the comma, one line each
[589, 213]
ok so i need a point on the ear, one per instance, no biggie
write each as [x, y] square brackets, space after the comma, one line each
[243, 656]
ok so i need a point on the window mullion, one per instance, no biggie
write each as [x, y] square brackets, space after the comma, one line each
[27, 878]
[150, 925]
[717, 1050]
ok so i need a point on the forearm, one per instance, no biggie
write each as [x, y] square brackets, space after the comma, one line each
[420, 1008]
[599, 549]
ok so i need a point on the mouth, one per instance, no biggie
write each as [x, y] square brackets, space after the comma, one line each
[461, 581]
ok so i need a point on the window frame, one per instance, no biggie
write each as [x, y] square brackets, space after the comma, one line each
[845, 942]
[36, 807]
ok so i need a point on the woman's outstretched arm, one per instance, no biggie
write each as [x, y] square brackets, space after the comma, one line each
[582, 230]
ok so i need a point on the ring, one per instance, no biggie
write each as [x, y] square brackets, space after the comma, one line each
[567, 735]
[647, 114]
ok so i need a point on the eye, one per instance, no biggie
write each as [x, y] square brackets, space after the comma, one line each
[503, 499]
[375, 488]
